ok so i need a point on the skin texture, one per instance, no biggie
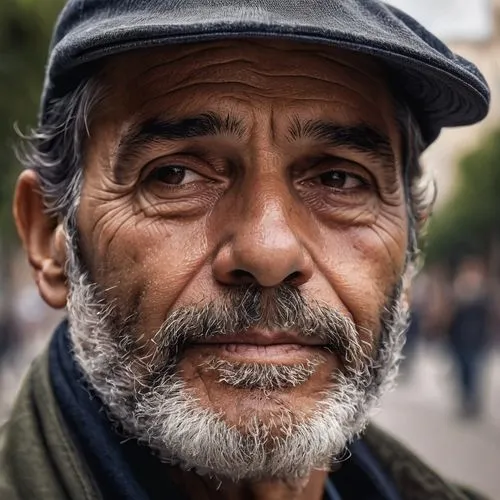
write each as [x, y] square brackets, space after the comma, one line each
[257, 206]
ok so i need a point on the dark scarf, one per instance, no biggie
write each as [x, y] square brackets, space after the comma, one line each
[123, 469]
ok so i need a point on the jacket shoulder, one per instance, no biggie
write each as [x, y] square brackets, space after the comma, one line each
[38, 459]
[412, 476]
[471, 494]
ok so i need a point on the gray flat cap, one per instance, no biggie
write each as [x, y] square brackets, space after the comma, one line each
[442, 88]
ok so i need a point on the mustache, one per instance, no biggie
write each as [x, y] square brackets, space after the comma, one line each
[279, 309]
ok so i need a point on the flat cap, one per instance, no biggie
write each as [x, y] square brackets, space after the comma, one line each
[442, 88]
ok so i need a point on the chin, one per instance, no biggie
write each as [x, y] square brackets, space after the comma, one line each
[277, 410]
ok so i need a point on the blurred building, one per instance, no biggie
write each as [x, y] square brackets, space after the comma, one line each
[472, 29]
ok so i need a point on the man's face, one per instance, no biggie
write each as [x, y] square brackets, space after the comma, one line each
[250, 174]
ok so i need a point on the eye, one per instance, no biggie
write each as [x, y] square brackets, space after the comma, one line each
[174, 175]
[340, 179]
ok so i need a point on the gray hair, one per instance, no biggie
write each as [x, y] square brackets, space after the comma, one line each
[55, 151]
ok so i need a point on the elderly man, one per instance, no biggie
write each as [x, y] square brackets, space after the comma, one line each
[226, 197]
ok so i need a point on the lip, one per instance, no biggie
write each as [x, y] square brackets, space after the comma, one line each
[265, 338]
[262, 346]
[281, 354]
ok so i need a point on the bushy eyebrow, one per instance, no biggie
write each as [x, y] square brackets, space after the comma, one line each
[361, 137]
[160, 129]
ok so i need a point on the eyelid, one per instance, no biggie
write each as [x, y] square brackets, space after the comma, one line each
[190, 163]
[334, 163]
[188, 172]
[363, 182]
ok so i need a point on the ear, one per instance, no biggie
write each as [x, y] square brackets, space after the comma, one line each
[43, 238]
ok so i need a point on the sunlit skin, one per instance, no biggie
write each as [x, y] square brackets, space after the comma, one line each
[172, 222]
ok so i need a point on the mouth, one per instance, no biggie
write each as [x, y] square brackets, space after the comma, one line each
[262, 347]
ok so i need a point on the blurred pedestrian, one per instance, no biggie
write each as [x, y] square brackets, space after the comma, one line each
[418, 307]
[468, 333]
[10, 335]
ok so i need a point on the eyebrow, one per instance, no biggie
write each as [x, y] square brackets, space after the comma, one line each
[156, 130]
[361, 138]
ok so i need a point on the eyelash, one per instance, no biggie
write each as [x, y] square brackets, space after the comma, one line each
[337, 164]
[322, 166]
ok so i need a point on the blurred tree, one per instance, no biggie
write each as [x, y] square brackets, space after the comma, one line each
[470, 222]
[25, 29]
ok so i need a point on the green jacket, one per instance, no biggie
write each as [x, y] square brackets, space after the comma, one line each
[38, 459]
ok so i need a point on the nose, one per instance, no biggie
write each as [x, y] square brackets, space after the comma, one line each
[263, 247]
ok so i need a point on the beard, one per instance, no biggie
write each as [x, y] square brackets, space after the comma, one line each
[144, 394]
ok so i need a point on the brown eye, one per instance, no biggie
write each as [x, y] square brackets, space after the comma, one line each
[169, 175]
[174, 175]
[339, 179]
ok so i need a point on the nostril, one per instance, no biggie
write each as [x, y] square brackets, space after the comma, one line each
[294, 278]
[242, 276]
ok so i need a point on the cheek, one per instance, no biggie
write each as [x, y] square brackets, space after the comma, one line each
[166, 266]
[144, 263]
[363, 265]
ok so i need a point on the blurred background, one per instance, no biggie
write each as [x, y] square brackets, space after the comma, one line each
[447, 405]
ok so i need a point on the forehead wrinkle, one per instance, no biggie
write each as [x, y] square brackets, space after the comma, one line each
[193, 68]
[175, 60]
[251, 50]
[319, 62]
[255, 68]
[196, 85]
[166, 54]
[250, 91]
[375, 70]
[304, 76]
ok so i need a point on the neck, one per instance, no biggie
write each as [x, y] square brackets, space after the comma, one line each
[206, 488]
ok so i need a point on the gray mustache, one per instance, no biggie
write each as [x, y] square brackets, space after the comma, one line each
[240, 309]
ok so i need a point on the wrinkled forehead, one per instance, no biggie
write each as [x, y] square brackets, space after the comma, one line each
[265, 85]
[268, 68]
[273, 55]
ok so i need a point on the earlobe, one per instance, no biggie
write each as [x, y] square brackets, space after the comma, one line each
[43, 239]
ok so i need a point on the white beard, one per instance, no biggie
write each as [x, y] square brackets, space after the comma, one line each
[164, 414]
